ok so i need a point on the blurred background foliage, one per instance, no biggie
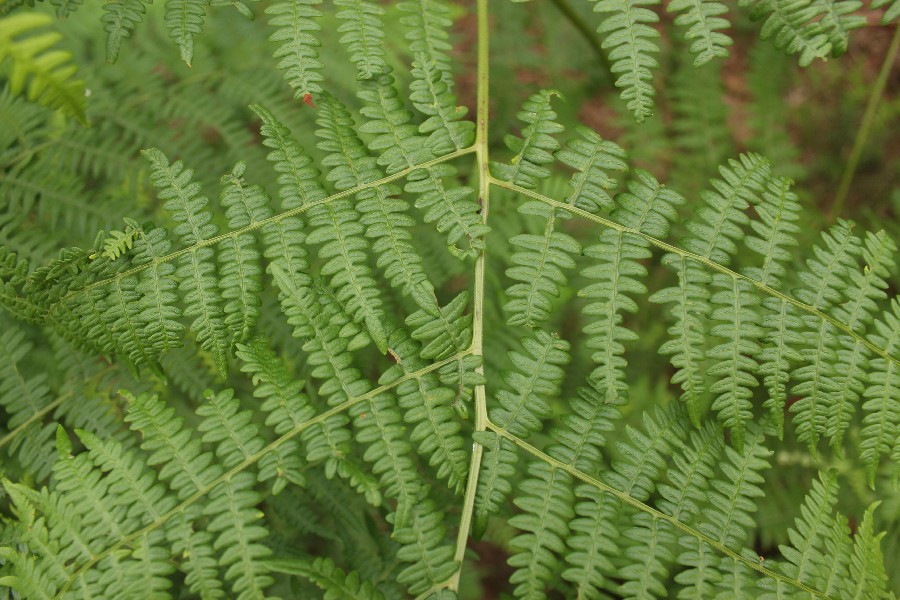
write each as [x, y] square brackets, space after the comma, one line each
[61, 182]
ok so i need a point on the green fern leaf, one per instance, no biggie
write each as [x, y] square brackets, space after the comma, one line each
[428, 406]
[445, 122]
[891, 12]
[793, 25]
[363, 35]
[239, 275]
[882, 395]
[184, 464]
[631, 41]
[336, 584]
[120, 17]
[646, 207]
[285, 405]
[196, 268]
[333, 443]
[867, 577]
[642, 459]
[536, 149]
[823, 287]
[737, 321]
[383, 214]
[202, 573]
[184, 18]
[593, 160]
[295, 27]
[423, 546]
[24, 400]
[523, 404]
[428, 22]
[44, 73]
[806, 559]
[703, 22]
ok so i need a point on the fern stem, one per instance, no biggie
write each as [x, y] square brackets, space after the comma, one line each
[39, 415]
[656, 514]
[862, 134]
[477, 349]
[47, 313]
[589, 35]
[704, 261]
[250, 461]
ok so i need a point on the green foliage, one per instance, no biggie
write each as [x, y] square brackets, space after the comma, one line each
[345, 333]
[35, 66]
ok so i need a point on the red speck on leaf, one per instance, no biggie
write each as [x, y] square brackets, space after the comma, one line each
[307, 99]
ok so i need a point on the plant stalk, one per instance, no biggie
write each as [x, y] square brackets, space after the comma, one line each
[589, 35]
[484, 182]
[862, 134]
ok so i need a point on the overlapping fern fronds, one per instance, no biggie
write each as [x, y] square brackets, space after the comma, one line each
[345, 397]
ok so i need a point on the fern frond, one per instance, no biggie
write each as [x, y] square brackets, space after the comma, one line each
[381, 211]
[538, 261]
[647, 207]
[703, 22]
[545, 499]
[44, 73]
[630, 38]
[594, 160]
[298, 185]
[232, 433]
[120, 17]
[823, 287]
[431, 558]
[196, 268]
[453, 209]
[233, 521]
[775, 231]
[794, 26]
[891, 12]
[285, 405]
[712, 235]
[742, 184]
[376, 421]
[868, 580]
[184, 463]
[336, 584]
[522, 407]
[24, 400]
[691, 300]
[336, 226]
[363, 35]
[882, 396]
[118, 243]
[866, 289]
[159, 312]
[731, 501]
[805, 556]
[445, 122]
[239, 275]
[548, 493]
[332, 442]
[428, 406]
[535, 150]
[783, 332]
[428, 22]
[402, 147]
[199, 564]
[737, 321]
[295, 27]
[634, 473]
[184, 19]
